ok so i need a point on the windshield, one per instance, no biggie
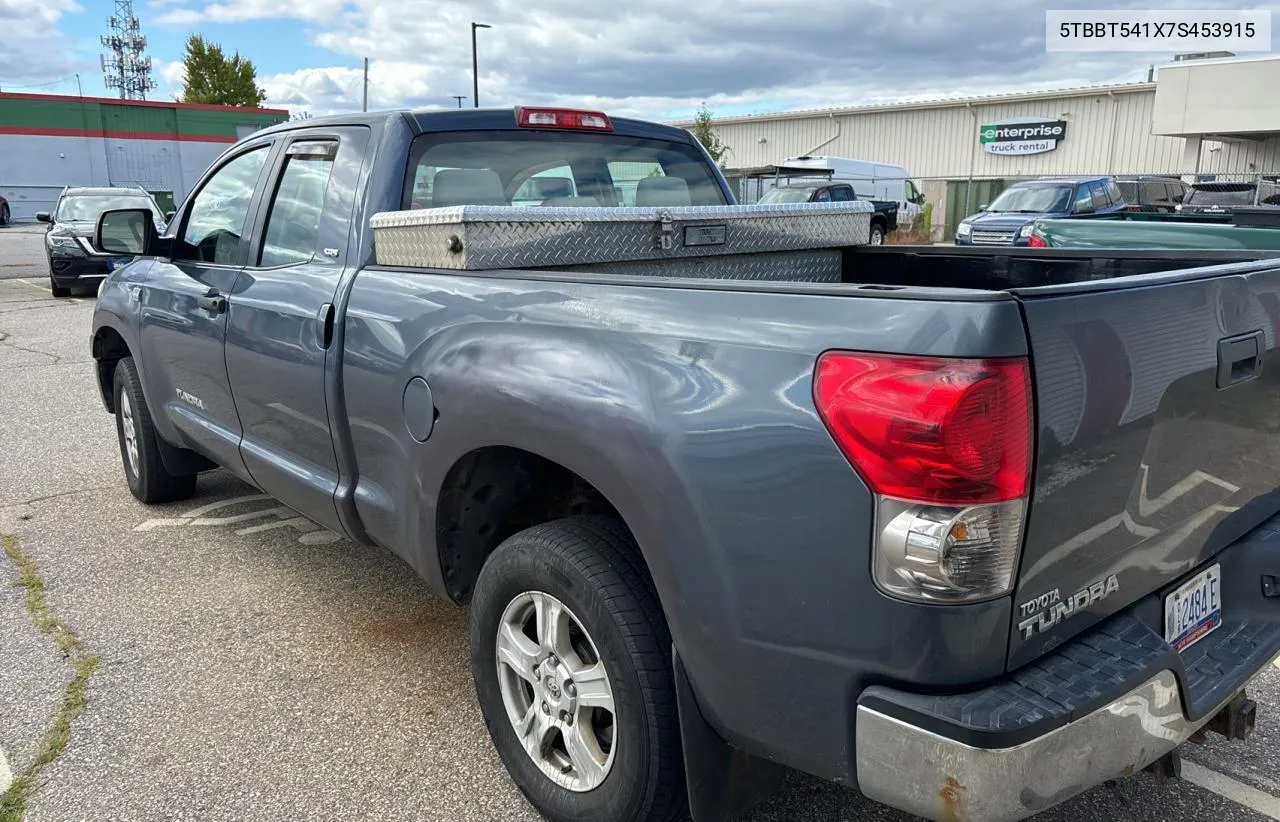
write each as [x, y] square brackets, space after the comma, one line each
[1222, 194]
[89, 207]
[545, 168]
[788, 195]
[1033, 199]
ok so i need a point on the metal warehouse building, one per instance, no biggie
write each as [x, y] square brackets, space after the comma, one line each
[48, 142]
[1203, 117]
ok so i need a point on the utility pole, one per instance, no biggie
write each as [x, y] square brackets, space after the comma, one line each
[459, 98]
[364, 105]
[475, 71]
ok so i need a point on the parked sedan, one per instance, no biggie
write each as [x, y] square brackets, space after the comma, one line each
[72, 258]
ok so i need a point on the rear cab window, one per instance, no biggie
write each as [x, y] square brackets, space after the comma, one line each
[538, 168]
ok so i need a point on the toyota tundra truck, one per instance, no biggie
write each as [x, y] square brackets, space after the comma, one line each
[969, 529]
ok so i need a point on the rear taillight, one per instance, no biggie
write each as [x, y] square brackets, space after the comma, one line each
[563, 118]
[1036, 241]
[945, 445]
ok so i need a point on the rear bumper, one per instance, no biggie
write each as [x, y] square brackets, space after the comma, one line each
[1103, 706]
[927, 774]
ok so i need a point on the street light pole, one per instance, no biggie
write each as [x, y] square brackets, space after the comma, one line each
[475, 71]
[459, 98]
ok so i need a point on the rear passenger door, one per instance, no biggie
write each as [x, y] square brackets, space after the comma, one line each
[281, 324]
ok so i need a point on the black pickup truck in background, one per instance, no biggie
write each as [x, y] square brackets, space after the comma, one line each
[970, 529]
[884, 218]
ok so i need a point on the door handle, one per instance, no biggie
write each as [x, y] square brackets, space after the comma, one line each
[1239, 359]
[325, 330]
[213, 302]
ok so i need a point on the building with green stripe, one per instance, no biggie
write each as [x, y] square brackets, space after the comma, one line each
[48, 142]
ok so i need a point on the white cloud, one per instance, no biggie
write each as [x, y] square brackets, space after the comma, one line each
[180, 17]
[31, 47]
[663, 57]
[240, 11]
[170, 74]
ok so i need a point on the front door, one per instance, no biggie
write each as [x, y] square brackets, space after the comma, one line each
[183, 305]
[282, 319]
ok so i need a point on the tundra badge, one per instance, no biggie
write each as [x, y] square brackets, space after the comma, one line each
[190, 399]
[1047, 610]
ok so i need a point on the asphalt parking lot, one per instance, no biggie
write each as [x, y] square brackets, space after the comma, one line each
[253, 666]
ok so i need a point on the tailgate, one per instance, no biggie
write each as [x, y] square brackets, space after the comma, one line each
[1158, 409]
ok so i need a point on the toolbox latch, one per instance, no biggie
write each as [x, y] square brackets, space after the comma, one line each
[666, 235]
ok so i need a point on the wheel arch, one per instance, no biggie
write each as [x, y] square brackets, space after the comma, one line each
[108, 348]
[492, 492]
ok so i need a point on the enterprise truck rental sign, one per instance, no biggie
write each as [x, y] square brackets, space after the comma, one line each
[1022, 136]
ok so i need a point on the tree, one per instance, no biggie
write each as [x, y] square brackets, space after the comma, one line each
[213, 78]
[706, 135]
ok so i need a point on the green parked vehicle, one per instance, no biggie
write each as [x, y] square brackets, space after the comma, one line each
[1243, 228]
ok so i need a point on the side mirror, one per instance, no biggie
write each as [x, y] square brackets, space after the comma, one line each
[168, 216]
[984, 206]
[126, 231]
[44, 217]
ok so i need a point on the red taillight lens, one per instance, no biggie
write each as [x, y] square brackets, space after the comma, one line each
[1036, 241]
[563, 118]
[930, 429]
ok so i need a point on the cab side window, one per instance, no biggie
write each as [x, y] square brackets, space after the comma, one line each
[293, 221]
[841, 194]
[220, 210]
[1084, 200]
[1098, 191]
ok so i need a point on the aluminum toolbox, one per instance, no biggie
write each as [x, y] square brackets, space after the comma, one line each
[476, 238]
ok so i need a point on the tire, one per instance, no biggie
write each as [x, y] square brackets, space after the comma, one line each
[139, 446]
[877, 235]
[58, 290]
[4, 216]
[588, 568]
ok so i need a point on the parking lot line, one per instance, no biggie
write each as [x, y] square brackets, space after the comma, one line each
[1228, 788]
[6, 775]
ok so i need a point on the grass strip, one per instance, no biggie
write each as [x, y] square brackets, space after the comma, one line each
[13, 802]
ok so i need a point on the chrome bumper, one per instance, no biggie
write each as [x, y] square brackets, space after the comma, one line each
[938, 778]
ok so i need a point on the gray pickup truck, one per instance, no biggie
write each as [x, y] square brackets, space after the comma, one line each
[971, 530]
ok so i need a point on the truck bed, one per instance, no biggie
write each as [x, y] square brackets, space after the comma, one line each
[1007, 269]
[929, 271]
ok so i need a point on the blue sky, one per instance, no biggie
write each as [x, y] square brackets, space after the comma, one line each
[660, 58]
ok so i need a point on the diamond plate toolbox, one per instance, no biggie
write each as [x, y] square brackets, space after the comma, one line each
[476, 238]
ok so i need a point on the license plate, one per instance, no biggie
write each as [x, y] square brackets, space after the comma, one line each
[1194, 610]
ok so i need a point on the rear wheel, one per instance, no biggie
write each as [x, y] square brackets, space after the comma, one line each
[148, 479]
[572, 661]
[877, 234]
[4, 215]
